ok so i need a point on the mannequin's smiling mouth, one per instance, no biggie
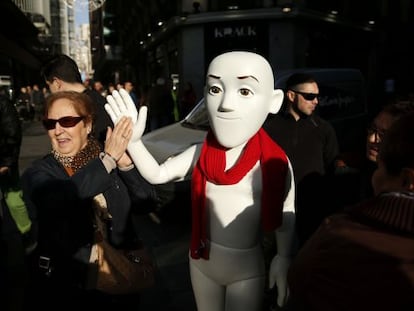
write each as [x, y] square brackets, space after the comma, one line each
[228, 117]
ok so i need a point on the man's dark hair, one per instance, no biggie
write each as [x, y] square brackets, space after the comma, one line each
[299, 78]
[62, 67]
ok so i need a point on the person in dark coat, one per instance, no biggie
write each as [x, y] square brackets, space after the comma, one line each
[60, 190]
[363, 258]
[38, 100]
[61, 73]
[13, 269]
[311, 144]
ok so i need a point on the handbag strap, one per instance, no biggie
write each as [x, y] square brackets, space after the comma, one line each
[101, 212]
[102, 216]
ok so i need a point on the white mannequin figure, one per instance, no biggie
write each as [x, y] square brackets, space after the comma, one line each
[229, 273]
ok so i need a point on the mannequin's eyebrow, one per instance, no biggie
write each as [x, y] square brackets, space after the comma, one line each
[214, 77]
[241, 77]
[245, 77]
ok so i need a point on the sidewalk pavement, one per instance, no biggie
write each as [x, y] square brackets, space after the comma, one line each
[35, 143]
[168, 241]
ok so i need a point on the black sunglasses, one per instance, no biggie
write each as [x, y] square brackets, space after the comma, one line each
[307, 96]
[50, 124]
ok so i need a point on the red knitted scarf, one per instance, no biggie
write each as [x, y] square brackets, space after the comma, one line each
[211, 167]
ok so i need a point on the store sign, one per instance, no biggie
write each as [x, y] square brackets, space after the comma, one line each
[235, 32]
[239, 35]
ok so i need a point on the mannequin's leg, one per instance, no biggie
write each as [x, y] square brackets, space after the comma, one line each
[209, 295]
[245, 295]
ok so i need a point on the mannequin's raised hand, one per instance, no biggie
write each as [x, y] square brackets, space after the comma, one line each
[120, 104]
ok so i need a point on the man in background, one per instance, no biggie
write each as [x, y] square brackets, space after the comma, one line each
[61, 73]
[38, 100]
[312, 147]
[130, 88]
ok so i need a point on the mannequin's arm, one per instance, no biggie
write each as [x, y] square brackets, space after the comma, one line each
[175, 168]
[120, 104]
[285, 235]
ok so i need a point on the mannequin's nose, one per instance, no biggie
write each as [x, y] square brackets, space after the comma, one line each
[228, 103]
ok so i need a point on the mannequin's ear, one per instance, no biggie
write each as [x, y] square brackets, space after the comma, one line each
[408, 178]
[277, 100]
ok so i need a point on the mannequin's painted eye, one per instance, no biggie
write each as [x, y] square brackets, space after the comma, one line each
[245, 92]
[214, 90]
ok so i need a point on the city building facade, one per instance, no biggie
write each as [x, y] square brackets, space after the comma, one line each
[34, 30]
[177, 39]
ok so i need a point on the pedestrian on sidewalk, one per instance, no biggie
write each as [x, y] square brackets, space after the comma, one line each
[311, 144]
[61, 73]
[363, 258]
[61, 189]
[15, 224]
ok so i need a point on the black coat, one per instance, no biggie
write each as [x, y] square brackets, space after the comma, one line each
[10, 133]
[61, 206]
[312, 147]
[102, 119]
[10, 142]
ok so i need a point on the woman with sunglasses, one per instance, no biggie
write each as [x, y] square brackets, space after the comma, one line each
[311, 144]
[60, 190]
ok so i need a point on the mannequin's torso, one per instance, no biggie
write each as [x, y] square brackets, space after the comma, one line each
[234, 249]
[234, 211]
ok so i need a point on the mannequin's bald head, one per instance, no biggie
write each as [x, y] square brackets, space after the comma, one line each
[239, 95]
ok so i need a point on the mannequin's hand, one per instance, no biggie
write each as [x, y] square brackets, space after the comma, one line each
[278, 275]
[121, 104]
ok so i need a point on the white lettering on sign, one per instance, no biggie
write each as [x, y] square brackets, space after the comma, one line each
[340, 101]
[235, 32]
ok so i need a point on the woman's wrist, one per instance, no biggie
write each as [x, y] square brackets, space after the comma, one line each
[108, 161]
[126, 164]
[112, 157]
[126, 168]
[124, 161]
